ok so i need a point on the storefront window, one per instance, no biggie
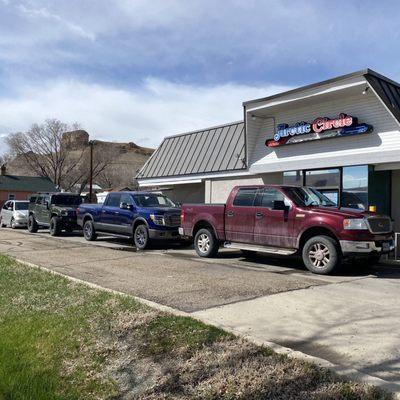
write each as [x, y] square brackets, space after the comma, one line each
[355, 187]
[323, 178]
[293, 178]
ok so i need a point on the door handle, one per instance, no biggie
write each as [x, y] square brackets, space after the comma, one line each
[230, 214]
[259, 215]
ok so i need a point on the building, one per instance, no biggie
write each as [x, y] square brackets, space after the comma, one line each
[14, 187]
[341, 136]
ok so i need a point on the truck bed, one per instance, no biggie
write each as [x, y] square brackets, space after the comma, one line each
[214, 213]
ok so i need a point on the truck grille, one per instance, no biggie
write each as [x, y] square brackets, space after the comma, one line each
[379, 224]
[173, 220]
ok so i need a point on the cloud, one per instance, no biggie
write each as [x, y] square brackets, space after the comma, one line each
[155, 109]
[44, 13]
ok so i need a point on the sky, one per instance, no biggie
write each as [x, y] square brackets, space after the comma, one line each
[136, 70]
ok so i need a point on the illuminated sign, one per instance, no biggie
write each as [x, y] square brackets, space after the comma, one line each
[321, 128]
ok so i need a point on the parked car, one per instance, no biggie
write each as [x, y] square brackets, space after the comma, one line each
[145, 216]
[14, 214]
[56, 211]
[287, 220]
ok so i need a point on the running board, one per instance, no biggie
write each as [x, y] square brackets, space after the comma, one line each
[261, 249]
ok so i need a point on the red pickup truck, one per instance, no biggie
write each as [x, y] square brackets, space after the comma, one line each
[286, 220]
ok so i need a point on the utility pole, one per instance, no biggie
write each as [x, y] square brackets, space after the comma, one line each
[91, 143]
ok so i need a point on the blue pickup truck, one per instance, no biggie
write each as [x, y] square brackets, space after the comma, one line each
[145, 216]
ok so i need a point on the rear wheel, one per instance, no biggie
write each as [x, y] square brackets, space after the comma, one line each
[55, 226]
[205, 243]
[32, 224]
[89, 232]
[321, 255]
[141, 237]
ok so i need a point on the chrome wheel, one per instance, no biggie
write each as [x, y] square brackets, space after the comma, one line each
[87, 230]
[140, 236]
[319, 255]
[203, 243]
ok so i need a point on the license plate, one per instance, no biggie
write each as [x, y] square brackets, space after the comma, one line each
[385, 247]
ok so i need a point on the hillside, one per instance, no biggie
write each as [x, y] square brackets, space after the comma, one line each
[126, 159]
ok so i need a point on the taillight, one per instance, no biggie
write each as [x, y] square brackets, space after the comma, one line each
[78, 210]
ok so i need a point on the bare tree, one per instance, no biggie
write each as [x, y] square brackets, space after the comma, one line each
[42, 149]
[5, 158]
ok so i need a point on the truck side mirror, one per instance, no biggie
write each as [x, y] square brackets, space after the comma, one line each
[280, 205]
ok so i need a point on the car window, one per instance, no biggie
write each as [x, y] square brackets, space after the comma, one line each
[66, 200]
[126, 198]
[113, 200]
[267, 197]
[153, 200]
[245, 197]
[21, 205]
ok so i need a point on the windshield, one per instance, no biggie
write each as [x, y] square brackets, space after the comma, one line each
[66, 200]
[23, 205]
[153, 200]
[303, 196]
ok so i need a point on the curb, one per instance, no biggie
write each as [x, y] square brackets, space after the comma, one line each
[340, 370]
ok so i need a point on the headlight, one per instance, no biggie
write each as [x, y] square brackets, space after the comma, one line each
[64, 213]
[157, 219]
[356, 224]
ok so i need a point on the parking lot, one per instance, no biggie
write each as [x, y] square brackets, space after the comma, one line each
[351, 319]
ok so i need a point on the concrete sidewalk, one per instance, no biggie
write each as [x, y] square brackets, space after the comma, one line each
[352, 321]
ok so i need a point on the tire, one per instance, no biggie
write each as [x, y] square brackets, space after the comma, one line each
[32, 224]
[89, 232]
[1, 223]
[205, 243]
[12, 223]
[141, 237]
[55, 226]
[321, 255]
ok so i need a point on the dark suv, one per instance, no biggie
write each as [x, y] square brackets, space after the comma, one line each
[56, 211]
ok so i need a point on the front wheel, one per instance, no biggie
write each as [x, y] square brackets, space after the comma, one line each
[32, 224]
[205, 243]
[55, 226]
[12, 223]
[321, 255]
[141, 237]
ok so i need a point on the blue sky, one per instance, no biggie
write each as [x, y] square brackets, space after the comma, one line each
[135, 70]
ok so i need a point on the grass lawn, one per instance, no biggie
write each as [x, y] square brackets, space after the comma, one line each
[63, 340]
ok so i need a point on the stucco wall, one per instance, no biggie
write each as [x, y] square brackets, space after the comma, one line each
[217, 190]
[190, 193]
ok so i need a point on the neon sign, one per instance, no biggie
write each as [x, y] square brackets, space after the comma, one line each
[320, 128]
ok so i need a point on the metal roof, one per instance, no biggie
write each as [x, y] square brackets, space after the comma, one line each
[216, 149]
[364, 72]
[388, 91]
[26, 184]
